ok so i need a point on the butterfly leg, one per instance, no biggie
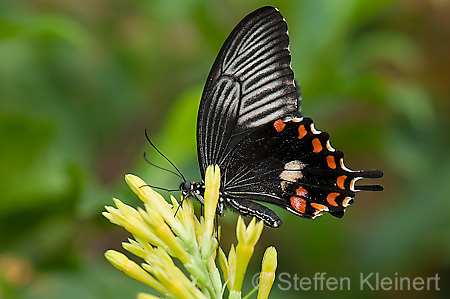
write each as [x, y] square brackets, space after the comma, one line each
[253, 209]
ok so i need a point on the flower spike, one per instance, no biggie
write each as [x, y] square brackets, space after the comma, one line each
[160, 236]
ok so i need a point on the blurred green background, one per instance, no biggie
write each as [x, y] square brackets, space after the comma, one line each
[81, 80]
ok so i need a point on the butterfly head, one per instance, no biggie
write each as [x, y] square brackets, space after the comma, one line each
[194, 189]
[186, 188]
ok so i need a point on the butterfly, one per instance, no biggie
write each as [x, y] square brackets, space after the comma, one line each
[250, 124]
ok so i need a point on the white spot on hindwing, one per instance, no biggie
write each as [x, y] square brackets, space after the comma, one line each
[329, 147]
[291, 174]
[313, 130]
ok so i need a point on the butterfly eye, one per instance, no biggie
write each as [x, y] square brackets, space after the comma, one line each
[185, 187]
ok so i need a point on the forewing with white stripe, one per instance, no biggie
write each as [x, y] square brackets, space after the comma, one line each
[250, 84]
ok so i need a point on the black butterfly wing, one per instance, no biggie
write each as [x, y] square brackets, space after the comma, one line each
[290, 164]
[250, 84]
[249, 123]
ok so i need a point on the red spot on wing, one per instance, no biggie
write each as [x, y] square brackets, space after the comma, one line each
[331, 162]
[298, 203]
[279, 125]
[340, 181]
[301, 132]
[331, 198]
[317, 145]
[301, 191]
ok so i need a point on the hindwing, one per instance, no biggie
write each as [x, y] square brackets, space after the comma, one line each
[290, 164]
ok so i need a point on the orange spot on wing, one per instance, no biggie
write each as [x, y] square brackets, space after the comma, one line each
[301, 191]
[317, 145]
[346, 201]
[340, 181]
[331, 162]
[331, 198]
[319, 207]
[279, 125]
[298, 203]
[301, 132]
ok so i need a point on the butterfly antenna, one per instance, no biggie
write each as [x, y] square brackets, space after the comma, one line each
[162, 168]
[159, 188]
[151, 143]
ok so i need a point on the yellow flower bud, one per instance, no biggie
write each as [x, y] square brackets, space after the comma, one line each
[267, 275]
[130, 268]
[146, 296]
[247, 239]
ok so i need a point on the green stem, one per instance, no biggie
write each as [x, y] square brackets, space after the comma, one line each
[251, 292]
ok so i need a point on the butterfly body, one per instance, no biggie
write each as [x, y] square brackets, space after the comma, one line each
[249, 123]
